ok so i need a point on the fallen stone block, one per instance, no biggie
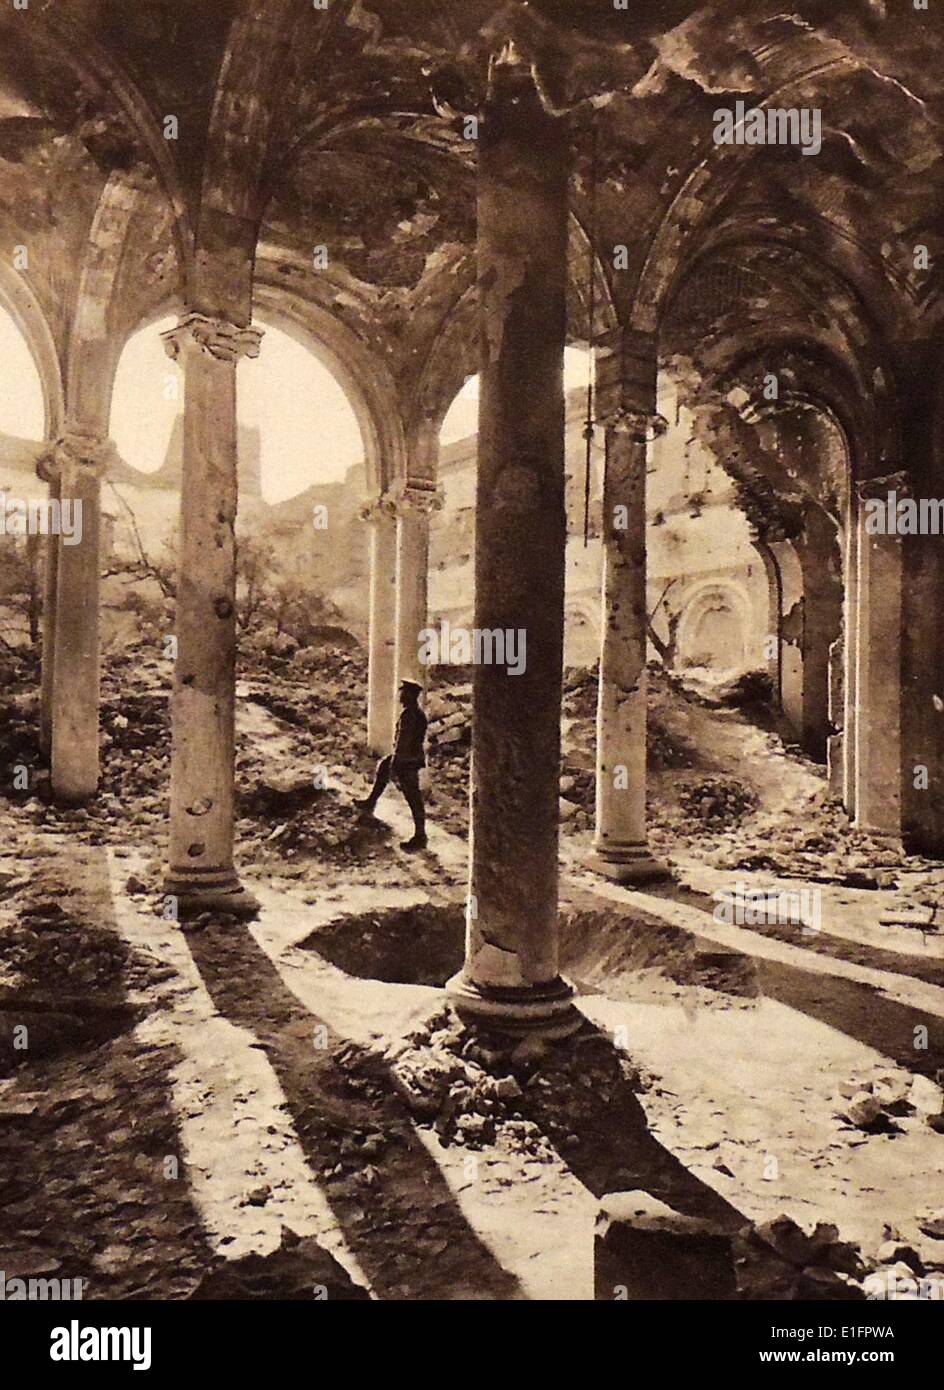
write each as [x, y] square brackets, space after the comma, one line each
[863, 1110]
[926, 1097]
[644, 1251]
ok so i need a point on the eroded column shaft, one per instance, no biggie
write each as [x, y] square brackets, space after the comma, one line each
[626, 391]
[50, 594]
[383, 617]
[203, 701]
[879, 597]
[414, 505]
[850, 656]
[73, 466]
[511, 972]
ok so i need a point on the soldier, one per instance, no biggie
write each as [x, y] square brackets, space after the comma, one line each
[404, 764]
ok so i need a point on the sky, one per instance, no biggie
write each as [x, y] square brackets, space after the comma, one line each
[308, 430]
[21, 396]
[462, 417]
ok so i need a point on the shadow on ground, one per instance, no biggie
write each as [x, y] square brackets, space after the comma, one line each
[397, 1213]
[858, 1010]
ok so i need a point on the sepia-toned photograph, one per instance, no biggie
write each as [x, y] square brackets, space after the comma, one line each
[471, 671]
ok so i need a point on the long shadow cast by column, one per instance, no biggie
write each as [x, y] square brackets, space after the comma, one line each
[855, 1009]
[823, 942]
[95, 1199]
[396, 1211]
[594, 1118]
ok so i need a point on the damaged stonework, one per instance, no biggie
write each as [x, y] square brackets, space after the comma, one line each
[626, 386]
[202, 770]
[511, 976]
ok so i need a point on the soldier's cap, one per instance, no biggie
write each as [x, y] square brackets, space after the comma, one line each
[412, 687]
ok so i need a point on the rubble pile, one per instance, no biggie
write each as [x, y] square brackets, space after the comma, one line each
[884, 1101]
[778, 1260]
[289, 819]
[65, 979]
[667, 748]
[746, 690]
[823, 849]
[47, 948]
[577, 795]
[457, 1085]
[19, 742]
[94, 1201]
[477, 1091]
[449, 743]
[580, 692]
[717, 803]
[452, 729]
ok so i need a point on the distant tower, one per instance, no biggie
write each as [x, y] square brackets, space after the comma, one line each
[250, 459]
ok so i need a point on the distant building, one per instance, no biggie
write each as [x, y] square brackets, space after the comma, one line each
[708, 588]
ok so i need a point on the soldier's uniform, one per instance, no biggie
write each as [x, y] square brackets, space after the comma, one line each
[403, 765]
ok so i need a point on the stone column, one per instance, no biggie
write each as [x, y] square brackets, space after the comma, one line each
[879, 595]
[382, 518]
[626, 396]
[50, 585]
[821, 564]
[510, 982]
[850, 653]
[835, 761]
[414, 502]
[203, 704]
[73, 466]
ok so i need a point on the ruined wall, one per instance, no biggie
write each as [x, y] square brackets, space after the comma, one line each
[707, 584]
[706, 580]
[317, 537]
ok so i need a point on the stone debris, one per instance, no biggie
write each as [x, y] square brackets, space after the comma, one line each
[878, 1102]
[529, 1098]
[932, 1223]
[896, 1252]
[652, 1251]
[478, 1093]
[780, 1260]
[444, 1078]
[718, 803]
[926, 1097]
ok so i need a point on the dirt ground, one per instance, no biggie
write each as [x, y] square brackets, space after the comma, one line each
[284, 1108]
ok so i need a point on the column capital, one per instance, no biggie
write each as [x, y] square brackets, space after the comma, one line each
[643, 426]
[416, 496]
[878, 488]
[382, 508]
[626, 364]
[514, 79]
[217, 337]
[73, 452]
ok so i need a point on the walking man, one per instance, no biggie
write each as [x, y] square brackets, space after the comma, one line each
[404, 764]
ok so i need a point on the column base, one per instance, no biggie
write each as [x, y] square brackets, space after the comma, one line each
[214, 890]
[627, 864]
[891, 839]
[72, 794]
[544, 1011]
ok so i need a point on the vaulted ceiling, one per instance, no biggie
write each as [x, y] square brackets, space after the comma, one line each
[343, 127]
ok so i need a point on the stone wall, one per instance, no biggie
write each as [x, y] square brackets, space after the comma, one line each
[708, 585]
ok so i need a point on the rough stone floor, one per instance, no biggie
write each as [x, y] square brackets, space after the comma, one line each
[238, 1090]
[284, 1109]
